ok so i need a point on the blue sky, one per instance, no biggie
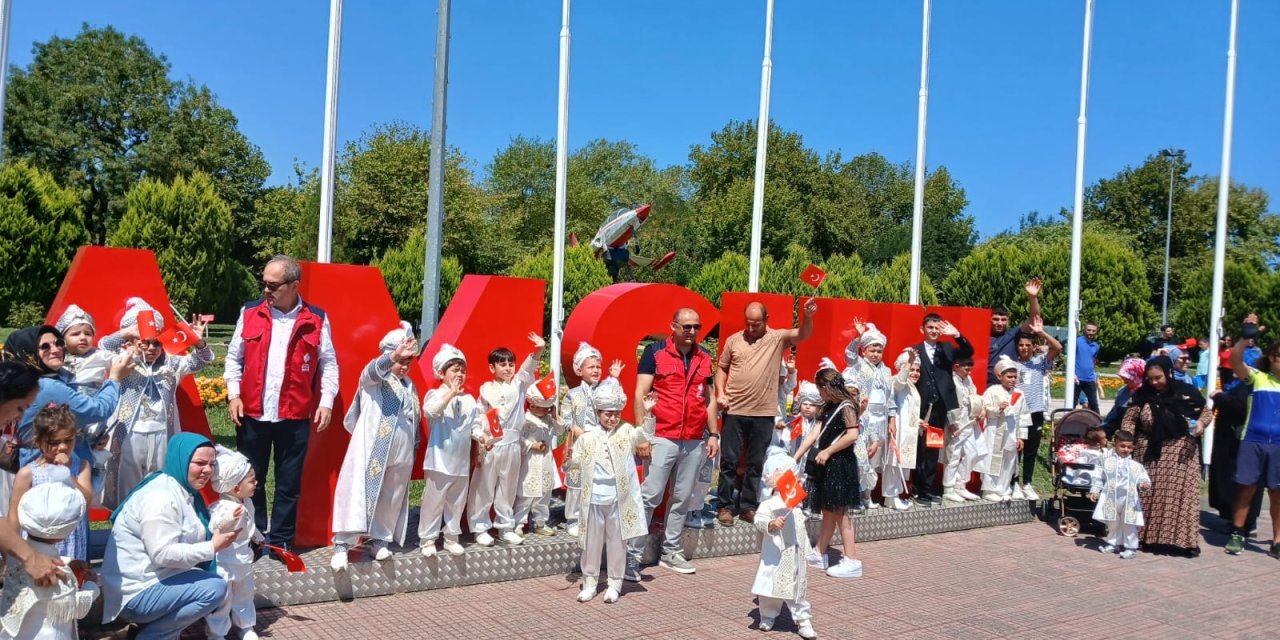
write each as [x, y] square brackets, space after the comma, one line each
[664, 74]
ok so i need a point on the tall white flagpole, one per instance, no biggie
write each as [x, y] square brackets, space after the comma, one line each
[6, 7]
[762, 149]
[917, 207]
[1077, 216]
[562, 180]
[324, 243]
[435, 180]
[1220, 235]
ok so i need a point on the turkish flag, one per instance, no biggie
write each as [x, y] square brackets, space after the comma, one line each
[176, 340]
[790, 490]
[147, 325]
[495, 423]
[1014, 397]
[797, 427]
[813, 276]
[933, 437]
[547, 387]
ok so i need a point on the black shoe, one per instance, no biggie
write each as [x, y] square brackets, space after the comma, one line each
[257, 550]
[282, 546]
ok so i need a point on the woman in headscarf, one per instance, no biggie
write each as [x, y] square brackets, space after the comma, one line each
[1132, 371]
[158, 569]
[372, 495]
[1167, 417]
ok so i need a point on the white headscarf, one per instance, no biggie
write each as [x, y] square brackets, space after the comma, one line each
[609, 396]
[394, 337]
[52, 510]
[444, 356]
[809, 393]
[134, 306]
[872, 336]
[1003, 363]
[230, 470]
[73, 316]
[584, 353]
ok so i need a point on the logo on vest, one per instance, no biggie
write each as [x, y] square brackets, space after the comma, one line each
[306, 362]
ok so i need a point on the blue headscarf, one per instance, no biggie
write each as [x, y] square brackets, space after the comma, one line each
[177, 461]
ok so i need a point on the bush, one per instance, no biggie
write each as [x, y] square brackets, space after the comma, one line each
[728, 273]
[402, 267]
[892, 283]
[41, 227]
[583, 274]
[25, 314]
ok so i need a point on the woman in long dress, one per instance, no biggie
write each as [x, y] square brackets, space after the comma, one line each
[1167, 418]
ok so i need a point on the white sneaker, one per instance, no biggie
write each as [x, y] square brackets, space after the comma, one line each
[1029, 492]
[991, 496]
[339, 560]
[967, 494]
[382, 552]
[900, 504]
[572, 530]
[1017, 492]
[588, 590]
[484, 539]
[816, 560]
[805, 630]
[453, 547]
[248, 634]
[428, 548]
[614, 592]
[872, 504]
[510, 537]
[846, 568]
[766, 624]
[951, 495]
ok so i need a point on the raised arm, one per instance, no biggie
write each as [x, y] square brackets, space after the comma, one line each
[1238, 365]
[802, 333]
[1032, 287]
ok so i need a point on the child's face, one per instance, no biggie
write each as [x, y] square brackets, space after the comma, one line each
[914, 374]
[961, 370]
[61, 443]
[874, 354]
[808, 410]
[456, 373]
[150, 349]
[772, 480]
[609, 419]
[504, 370]
[1025, 349]
[932, 330]
[1124, 449]
[400, 368]
[79, 339]
[1009, 378]
[247, 486]
[591, 371]
[539, 411]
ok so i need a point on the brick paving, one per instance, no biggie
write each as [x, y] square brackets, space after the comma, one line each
[1021, 581]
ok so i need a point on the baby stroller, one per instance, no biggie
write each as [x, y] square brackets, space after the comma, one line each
[1072, 467]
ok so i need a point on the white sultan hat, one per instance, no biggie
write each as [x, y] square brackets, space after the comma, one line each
[230, 470]
[443, 357]
[609, 396]
[1004, 363]
[775, 459]
[826, 363]
[52, 510]
[73, 316]
[584, 353]
[872, 336]
[904, 359]
[809, 393]
[395, 337]
[536, 397]
[134, 306]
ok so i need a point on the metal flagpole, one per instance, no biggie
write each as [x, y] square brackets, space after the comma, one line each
[917, 208]
[435, 180]
[1077, 216]
[762, 149]
[1220, 236]
[324, 243]
[6, 10]
[562, 179]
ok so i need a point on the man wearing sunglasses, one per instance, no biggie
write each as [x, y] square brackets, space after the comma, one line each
[281, 375]
[679, 372]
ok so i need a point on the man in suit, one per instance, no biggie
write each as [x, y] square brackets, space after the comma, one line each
[937, 396]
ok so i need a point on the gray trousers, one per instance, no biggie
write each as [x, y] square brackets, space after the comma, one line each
[674, 463]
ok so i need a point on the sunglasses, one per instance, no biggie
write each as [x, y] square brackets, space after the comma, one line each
[149, 343]
[46, 346]
[272, 286]
[690, 327]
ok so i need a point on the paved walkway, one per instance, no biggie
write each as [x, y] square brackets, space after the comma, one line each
[1020, 581]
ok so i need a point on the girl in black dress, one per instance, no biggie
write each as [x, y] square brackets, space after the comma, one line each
[835, 476]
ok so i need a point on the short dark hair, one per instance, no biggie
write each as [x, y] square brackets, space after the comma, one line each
[16, 380]
[1264, 363]
[1095, 435]
[930, 317]
[1165, 326]
[1023, 335]
[1123, 436]
[1000, 310]
[502, 354]
[1091, 324]
[964, 361]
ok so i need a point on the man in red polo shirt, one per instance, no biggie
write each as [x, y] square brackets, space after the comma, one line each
[679, 372]
[281, 375]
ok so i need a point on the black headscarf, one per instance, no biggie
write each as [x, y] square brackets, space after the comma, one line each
[1171, 409]
[24, 345]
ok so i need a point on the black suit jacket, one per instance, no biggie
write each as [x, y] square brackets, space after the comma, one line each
[936, 386]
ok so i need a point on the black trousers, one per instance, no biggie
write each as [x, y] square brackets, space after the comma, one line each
[288, 438]
[755, 433]
[1031, 448]
[926, 475]
[1090, 390]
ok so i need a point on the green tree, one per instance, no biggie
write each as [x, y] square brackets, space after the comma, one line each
[784, 276]
[1249, 288]
[728, 273]
[99, 111]
[190, 230]
[583, 274]
[947, 234]
[892, 283]
[846, 278]
[285, 220]
[402, 268]
[41, 227]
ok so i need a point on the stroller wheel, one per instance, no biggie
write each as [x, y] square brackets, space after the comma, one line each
[1068, 526]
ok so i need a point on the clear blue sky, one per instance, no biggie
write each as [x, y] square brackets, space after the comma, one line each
[664, 74]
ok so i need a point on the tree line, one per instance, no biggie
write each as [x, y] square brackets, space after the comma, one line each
[103, 146]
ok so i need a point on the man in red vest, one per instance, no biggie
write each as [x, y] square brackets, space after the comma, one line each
[281, 375]
[680, 373]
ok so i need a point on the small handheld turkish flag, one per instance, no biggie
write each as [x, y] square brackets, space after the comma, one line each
[933, 437]
[797, 427]
[176, 340]
[495, 423]
[813, 275]
[790, 490]
[547, 387]
[147, 325]
[1014, 397]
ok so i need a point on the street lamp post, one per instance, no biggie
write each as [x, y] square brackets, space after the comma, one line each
[1173, 156]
